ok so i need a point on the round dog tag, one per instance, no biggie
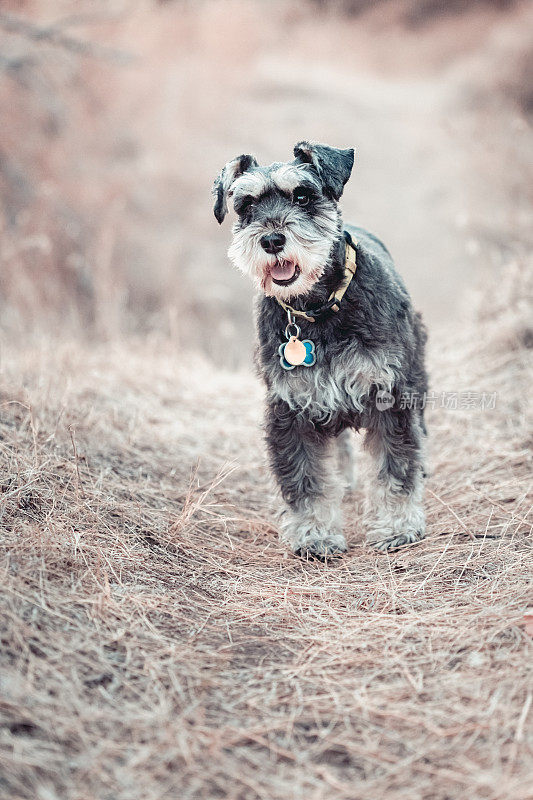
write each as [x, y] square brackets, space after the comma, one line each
[294, 351]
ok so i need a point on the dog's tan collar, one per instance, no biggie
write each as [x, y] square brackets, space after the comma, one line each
[334, 301]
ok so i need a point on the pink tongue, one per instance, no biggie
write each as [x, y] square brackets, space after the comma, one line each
[282, 270]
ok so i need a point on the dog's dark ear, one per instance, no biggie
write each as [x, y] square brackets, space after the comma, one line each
[334, 166]
[225, 180]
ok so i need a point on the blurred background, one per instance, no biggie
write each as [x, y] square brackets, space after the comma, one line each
[117, 115]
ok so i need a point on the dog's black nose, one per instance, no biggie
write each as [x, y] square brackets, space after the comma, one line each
[273, 242]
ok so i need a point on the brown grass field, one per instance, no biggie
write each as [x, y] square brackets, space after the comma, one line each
[158, 641]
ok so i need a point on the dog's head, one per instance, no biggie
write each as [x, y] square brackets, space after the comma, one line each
[287, 215]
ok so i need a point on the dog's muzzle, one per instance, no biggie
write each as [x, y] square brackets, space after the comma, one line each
[284, 272]
[273, 243]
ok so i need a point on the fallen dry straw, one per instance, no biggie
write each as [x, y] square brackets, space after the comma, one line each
[157, 641]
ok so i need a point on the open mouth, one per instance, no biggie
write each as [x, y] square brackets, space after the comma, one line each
[283, 273]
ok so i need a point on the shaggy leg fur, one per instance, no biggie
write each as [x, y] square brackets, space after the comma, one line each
[394, 505]
[302, 459]
[347, 460]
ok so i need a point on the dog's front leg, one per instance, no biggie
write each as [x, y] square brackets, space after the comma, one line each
[394, 513]
[302, 459]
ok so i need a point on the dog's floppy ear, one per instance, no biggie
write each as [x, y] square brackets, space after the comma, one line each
[225, 180]
[334, 166]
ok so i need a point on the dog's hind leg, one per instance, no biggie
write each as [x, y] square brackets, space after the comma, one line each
[303, 461]
[394, 513]
[347, 460]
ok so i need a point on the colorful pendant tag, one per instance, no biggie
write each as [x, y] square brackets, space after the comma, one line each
[295, 352]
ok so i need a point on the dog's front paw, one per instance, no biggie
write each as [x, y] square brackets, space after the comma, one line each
[398, 540]
[320, 546]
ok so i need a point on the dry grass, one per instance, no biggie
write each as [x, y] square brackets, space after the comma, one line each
[106, 164]
[158, 642]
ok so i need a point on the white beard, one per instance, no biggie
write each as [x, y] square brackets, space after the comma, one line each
[307, 245]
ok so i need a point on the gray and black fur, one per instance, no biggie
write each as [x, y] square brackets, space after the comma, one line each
[374, 343]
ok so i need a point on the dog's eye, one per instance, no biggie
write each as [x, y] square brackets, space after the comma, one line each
[301, 196]
[244, 205]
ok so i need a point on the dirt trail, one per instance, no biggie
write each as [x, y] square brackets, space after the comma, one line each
[158, 641]
[109, 225]
[434, 130]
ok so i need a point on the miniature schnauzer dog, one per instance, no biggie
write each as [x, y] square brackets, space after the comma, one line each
[359, 356]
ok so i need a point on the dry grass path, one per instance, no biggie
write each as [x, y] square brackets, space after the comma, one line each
[158, 642]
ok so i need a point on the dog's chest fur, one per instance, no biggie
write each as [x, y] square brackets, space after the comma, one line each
[368, 345]
[334, 387]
